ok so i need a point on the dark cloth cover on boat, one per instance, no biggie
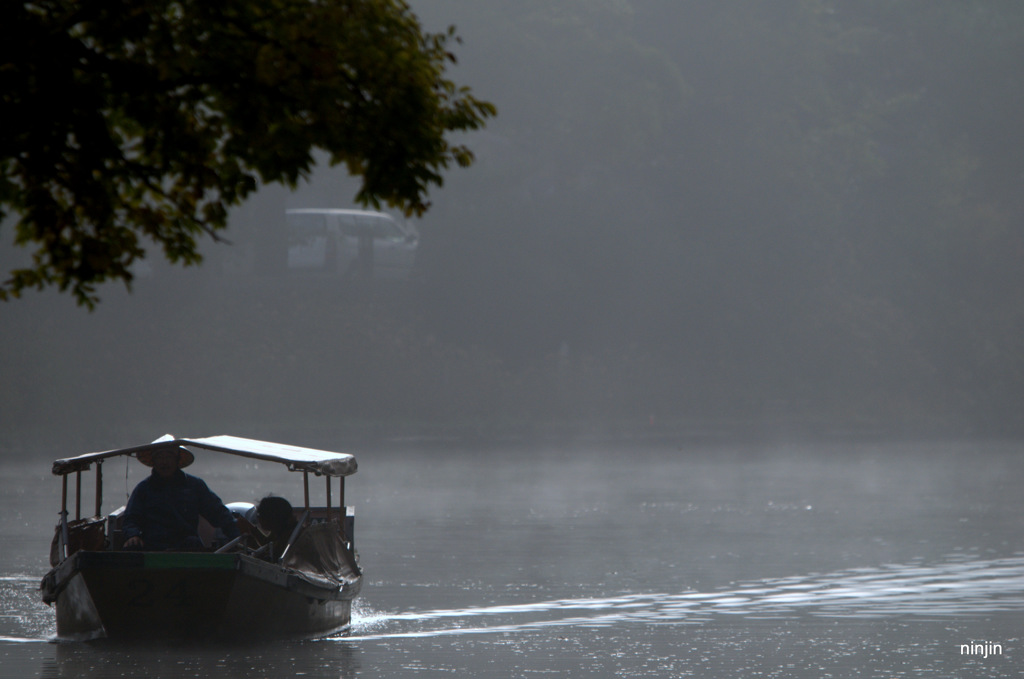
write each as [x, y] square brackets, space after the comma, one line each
[165, 512]
[320, 552]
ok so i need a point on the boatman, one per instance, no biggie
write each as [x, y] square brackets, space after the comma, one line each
[164, 509]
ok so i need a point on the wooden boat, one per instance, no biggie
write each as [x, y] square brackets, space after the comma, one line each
[234, 591]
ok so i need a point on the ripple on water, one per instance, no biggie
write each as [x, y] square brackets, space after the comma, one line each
[952, 588]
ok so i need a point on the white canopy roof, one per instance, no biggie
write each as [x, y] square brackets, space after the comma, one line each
[296, 458]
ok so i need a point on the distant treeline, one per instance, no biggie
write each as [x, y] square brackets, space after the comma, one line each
[812, 209]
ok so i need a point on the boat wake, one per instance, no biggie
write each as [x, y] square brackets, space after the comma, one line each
[958, 587]
[25, 640]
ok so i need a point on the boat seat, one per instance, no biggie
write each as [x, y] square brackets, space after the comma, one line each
[114, 520]
[83, 534]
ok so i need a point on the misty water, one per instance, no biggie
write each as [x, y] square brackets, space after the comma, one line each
[777, 560]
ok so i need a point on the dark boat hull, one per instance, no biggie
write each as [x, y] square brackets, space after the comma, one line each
[162, 595]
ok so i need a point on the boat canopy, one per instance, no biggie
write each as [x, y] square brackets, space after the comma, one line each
[320, 462]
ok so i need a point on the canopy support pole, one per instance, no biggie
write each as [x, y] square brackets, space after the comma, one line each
[341, 500]
[64, 537]
[99, 487]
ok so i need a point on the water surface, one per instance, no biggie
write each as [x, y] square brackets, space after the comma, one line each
[782, 560]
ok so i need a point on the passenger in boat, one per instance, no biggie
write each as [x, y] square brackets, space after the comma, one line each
[277, 521]
[164, 509]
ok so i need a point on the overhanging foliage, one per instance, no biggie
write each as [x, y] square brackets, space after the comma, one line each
[135, 121]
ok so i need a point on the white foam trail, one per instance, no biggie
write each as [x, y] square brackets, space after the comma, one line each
[954, 588]
[26, 640]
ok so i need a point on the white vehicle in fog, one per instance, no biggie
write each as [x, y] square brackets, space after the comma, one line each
[358, 243]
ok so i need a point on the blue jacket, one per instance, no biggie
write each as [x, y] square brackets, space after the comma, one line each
[165, 512]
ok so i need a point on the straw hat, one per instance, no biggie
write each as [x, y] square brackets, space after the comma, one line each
[185, 457]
